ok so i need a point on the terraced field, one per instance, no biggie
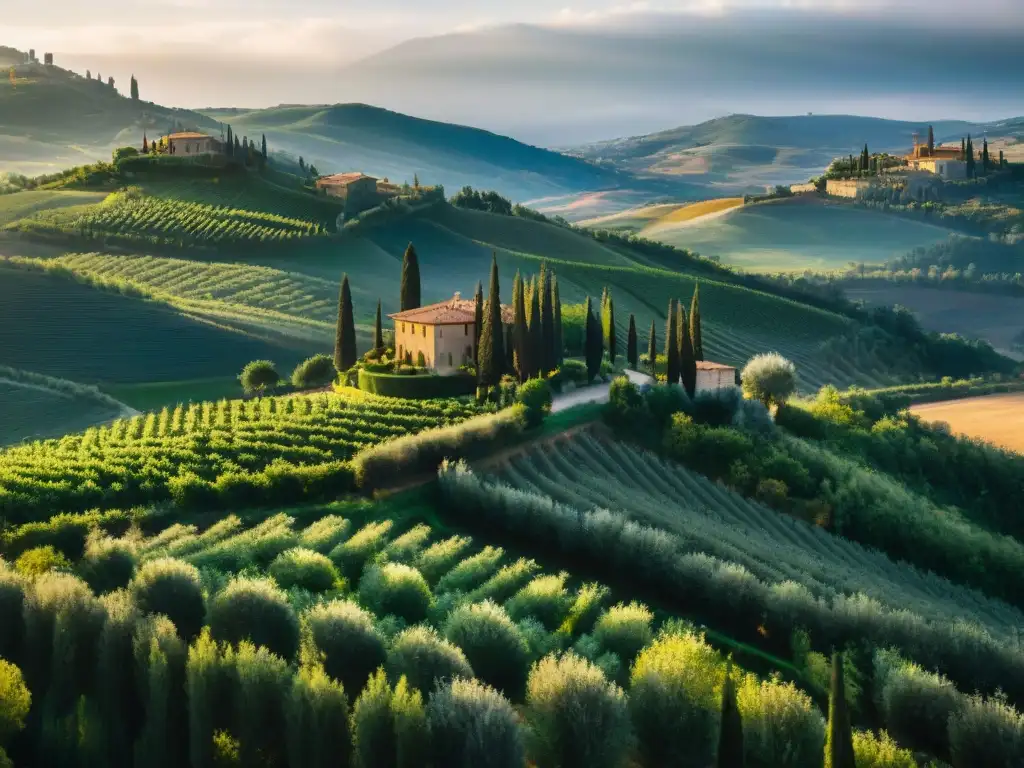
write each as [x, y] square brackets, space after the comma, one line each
[136, 460]
[590, 474]
[59, 327]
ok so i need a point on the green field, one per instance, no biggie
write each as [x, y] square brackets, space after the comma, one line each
[791, 236]
[59, 327]
[18, 205]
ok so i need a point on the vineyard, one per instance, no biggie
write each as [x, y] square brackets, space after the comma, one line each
[587, 474]
[195, 453]
[131, 217]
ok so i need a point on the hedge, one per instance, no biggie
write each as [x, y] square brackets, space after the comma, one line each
[416, 387]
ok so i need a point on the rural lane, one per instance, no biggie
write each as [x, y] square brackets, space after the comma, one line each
[596, 393]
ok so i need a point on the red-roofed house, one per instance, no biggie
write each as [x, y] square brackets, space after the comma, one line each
[191, 143]
[712, 376]
[442, 332]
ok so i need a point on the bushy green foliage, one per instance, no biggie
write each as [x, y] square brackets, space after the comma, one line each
[407, 547]
[306, 569]
[352, 647]
[625, 630]
[770, 378]
[325, 534]
[256, 610]
[425, 659]
[12, 604]
[440, 556]
[15, 701]
[493, 645]
[107, 564]
[781, 726]
[259, 376]
[317, 718]
[880, 751]
[535, 396]
[673, 691]
[40, 560]
[472, 571]
[353, 554]
[396, 589]
[545, 599]
[262, 687]
[585, 609]
[316, 371]
[577, 717]
[471, 724]
[986, 732]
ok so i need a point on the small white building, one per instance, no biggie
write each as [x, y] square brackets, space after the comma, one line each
[714, 376]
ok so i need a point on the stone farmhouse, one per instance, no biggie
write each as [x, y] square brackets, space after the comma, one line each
[357, 190]
[192, 144]
[443, 333]
[946, 162]
[714, 376]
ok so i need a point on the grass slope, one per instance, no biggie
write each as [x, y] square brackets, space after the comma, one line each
[796, 235]
[20, 205]
[56, 326]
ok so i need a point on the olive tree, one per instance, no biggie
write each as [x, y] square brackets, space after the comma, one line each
[769, 378]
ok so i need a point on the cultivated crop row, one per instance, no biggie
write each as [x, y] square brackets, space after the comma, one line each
[588, 474]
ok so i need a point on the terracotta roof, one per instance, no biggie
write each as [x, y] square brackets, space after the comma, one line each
[343, 179]
[189, 135]
[707, 365]
[454, 311]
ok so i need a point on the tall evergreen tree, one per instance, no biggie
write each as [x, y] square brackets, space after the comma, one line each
[865, 160]
[839, 744]
[985, 160]
[610, 331]
[345, 333]
[963, 148]
[521, 331]
[730, 733]
[594, 346]
[652, 350]
[410, 287]
[547, 322]
[556, 300]
[632, 352]
[687, 362]
[263, 148]
[145, 144]
[534, 339]
[229, 144]
[931, 141]
[1002, 160]
[696, 338]
[671, 344]
[134, 89]
[378, 331]
[478, 320]
[492, 338]
[970, 157]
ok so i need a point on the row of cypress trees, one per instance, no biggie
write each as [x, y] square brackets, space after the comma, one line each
[684, 343]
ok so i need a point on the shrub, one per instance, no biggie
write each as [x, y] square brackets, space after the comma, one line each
[578, 718]
[352, 646]
[474, 726]
[15, 700]
[172, 588]
[625, 630]
[535, 396]
[40, 560]
[585, 609]
[673, 691]
[317, 720]
[880, 751]
[425, 659]
[473, 571]
[389, 726]
[108, 564]
[325, 533]
[256, 610]
[914, 704]
[414, 383]
[396, 589]
[493, 645]
[317, 371]
[986, 732]
[665, 400]
[352, 555]
[305, 569]
[425, 451]
[439, 557]
[770, 378]
[575, 371]
[545, 598]
[407, 546]
[258, 376]
[12, 606]
[716, 407]
[262, 683]
[781, 726]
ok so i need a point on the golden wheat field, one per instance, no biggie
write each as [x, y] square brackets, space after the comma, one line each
[697, 210]
[998, 419]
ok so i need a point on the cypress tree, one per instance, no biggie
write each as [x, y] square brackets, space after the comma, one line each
[970, 157]
[478, 320]
[696, 339]
[345, 333]
[984, 154]
[594, 351]
[492, 338]
[672, 344]
[547, 322]
[533, 340]
[963, 148]
[520, 331]
[229, 145]
[631, 344]
[1002, 160]
[730, 734]
[931, 141]
[410, 288]
[652, 350]
[378, 331]
[263, 148]
[610, 332]
[556, 300]
[839, 744]
[134, 89]
[687, 363]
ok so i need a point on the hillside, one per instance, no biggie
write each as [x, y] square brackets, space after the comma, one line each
[400, 147]
[53, 118]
